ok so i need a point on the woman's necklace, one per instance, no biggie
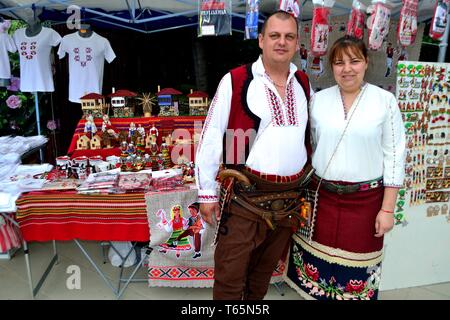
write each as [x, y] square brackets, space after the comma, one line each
[348, 106]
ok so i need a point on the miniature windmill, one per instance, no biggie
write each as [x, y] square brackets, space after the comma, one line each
[147, 101]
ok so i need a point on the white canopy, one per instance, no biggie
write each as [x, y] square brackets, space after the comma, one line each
[168, 9]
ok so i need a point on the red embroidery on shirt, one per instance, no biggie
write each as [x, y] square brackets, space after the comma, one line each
[292, 114]
[208, 198]
[77, 58]
[275, 108]
[28, 51]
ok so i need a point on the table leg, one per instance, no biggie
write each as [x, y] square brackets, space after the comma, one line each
[26, 251]
[114, 290]
[34, 291]
[139, 265]
[279, 287]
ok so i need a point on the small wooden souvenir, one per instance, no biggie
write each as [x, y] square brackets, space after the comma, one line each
[147, 101]
[122, 103]
[94, 104]
[198, 103]
[148, 141]
[140, 139]
[96, 142]
[153, 133]
[168, 102]
[83, 143]
[89, 127]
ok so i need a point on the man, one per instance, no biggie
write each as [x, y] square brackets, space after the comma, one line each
[269, 105]
[303, 57]
[389, 57]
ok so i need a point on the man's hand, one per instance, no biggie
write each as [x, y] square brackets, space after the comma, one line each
[384, 222]
[208, 210]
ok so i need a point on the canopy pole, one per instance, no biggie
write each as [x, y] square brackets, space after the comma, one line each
[444, 42]
[38, 122]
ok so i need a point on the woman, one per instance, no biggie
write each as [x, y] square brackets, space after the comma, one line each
[359, 149]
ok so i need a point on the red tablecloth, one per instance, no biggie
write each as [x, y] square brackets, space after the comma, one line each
[46, 216]
[165, 126]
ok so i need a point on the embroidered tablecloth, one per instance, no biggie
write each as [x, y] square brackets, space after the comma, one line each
[56, 215]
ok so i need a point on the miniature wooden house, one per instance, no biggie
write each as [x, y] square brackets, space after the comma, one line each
[93, 103]
[96, 142]
[83, 142]
[122, 103]
[168, 102]
[198, 103]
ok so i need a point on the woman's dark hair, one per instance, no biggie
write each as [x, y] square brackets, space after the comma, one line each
[347, 45]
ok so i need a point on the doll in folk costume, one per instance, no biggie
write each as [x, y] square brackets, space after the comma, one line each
[108, 127]
[89, 127]
[153, 134]
[109, 132]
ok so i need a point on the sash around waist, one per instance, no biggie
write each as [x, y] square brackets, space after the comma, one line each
[275, 183]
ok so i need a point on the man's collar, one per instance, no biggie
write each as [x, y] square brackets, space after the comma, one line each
[260, 70]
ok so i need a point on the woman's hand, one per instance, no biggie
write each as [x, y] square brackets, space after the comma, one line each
[383, 223]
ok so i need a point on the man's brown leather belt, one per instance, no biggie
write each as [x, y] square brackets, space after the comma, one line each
[350, 188]
[270, 203]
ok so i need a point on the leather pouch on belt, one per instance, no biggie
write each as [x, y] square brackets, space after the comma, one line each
[281, 209]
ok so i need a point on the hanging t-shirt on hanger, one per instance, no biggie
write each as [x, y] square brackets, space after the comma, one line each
[6, 45]
[86, 63]
[35, 66]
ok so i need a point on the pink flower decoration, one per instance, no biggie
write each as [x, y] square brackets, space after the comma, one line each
[15, 84]
[13, 102]
[51, 125]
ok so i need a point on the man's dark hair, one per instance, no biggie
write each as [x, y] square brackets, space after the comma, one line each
[283, 15]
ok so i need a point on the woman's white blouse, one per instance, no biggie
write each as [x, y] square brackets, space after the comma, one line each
[373, 145]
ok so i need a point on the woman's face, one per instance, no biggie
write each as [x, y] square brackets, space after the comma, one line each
[349, 71]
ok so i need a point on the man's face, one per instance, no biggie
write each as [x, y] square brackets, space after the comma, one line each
[280, 41]
[193, 211]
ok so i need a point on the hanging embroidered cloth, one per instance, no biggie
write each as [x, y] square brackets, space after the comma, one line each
[182, 254]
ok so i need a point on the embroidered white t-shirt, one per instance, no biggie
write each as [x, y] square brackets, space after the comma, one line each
[86, 63]
[6, 45]
[35, 65]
